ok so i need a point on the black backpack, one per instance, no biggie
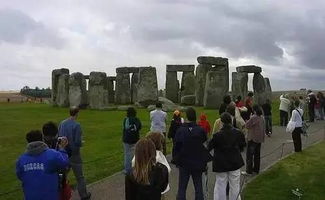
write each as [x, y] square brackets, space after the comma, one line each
[131, 132]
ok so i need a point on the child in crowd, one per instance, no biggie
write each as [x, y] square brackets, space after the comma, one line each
[204, 123]
[176, 122]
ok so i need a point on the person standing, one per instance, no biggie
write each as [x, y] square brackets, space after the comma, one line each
[204, 123]
[246, 113]
[191, 155]
[321, 104]
[38, 167]
[226, 101]
[148, 178]
[297, 117]
[255, 137]
[176, 122]
[227, 160]
[267, 110]
[158, 120]
[131, 135]
[284, 109]
[311, 105]
[71, 129]
[50, 132]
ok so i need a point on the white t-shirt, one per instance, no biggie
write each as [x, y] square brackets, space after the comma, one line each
[158, 121]
[296, 117]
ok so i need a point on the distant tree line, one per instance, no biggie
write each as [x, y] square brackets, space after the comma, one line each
[37, 92]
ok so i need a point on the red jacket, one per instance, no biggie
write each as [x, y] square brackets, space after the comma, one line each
[204, 123]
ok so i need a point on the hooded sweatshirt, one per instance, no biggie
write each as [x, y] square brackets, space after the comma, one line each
[204, 123]
[37, 169]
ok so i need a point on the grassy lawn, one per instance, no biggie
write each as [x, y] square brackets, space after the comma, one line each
[305, 171]
[102, 151]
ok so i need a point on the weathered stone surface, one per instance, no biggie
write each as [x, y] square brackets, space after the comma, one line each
[123, 108]
[188, 84]
[188, 100]
[212, 60]
[56, 73]
[200, 79]
[77, 90]
[147, 89]
[268, 89]
[249, 69]
[168, 105]
[62, 97]
[239, 84]
[216, 88]
[111, 92]
[127, 70]
[98, 90]
[172, 86]
[259, 89]
[111, 78]
[180, 68]
[122, 89]
[134, 87]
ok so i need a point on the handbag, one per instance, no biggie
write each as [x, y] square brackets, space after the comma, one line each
[305, 126]
[291, 126]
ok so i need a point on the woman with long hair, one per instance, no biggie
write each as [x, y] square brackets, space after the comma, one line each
[148, 178]
[176, 122]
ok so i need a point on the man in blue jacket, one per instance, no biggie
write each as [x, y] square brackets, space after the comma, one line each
[191, 155]
[38, 168]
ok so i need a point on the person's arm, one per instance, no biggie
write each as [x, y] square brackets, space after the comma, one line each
[251, 122]
[162, 177]
[78, 136]
[211, 143]
[19, 170]
[130, 188]
[209, 128]
[162, 159]
[242, 141]
[171, 130]
[139, 125]
[178, 141]
[58, 160]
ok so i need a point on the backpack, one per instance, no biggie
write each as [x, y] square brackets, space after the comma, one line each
[131, 133]
[305, 126]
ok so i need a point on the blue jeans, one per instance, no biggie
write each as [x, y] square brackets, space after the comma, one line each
[268, 124]
[128, 156]
[183, 178]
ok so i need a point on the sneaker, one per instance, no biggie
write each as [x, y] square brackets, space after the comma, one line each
[87, 197]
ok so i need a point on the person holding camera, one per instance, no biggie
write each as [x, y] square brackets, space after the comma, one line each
[38, 167]
[71, 129]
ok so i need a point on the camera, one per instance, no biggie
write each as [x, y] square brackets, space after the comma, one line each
[60, 139]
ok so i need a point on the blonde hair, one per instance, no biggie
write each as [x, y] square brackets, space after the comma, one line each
[157, 138]
[145, 159]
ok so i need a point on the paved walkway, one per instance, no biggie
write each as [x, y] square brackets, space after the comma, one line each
[275, 147]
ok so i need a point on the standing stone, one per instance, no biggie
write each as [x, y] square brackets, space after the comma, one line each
[259, 89]
[111, 92]
[77, 90]
[188, 84]
[239, 84]
[216, 88]
[98, 90]
[172, 86]
[62, 97]
[268, 89]
[200, 80]
[147, 87]
[122, 89]
[55, 79]
[134, 86]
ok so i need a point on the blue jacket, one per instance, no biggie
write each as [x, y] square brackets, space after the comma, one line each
[38, 171]
[190, 151]
[71, 129]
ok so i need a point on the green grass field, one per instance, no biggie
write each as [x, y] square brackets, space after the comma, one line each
[305, 171]
[102, 151]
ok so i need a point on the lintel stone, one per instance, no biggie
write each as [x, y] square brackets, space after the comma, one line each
[249, 69]
[180, 68]
[126, 70]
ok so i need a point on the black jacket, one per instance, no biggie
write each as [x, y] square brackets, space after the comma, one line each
[190, 153]
[267, 109]
[174, 125]
[158, 179]
[227, 145]
[131, 130]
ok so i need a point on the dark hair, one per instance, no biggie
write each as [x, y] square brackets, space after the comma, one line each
[34, 135]
[226, 118]
[238, 98]
[74, 111]
[257, 109]
[50, 129]
[191, 114]
[131, 112]
[297, 103]
[301, 97]
[250, 94]
[231, 109]
[227, 99]
[158, 105]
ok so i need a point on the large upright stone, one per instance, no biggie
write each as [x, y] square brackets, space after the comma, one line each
[180, 68]
[110, 86]
[147, 87]
[122, 89]
[259, 89]
[210, 60]
[134, 87]
[188, 84]
[268, 89]
[200, 80]
[172, 86]
[239, 84]
[216, 88]
[249, 69]
[55, 79]
[77, 90]
[98, 90]
[62, 97]
[127, 70]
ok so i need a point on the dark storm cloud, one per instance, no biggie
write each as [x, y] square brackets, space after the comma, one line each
[17, 27]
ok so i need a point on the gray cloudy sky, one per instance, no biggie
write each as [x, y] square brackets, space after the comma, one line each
[286, 38]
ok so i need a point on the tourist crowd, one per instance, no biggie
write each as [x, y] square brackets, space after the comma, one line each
[52, 153]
